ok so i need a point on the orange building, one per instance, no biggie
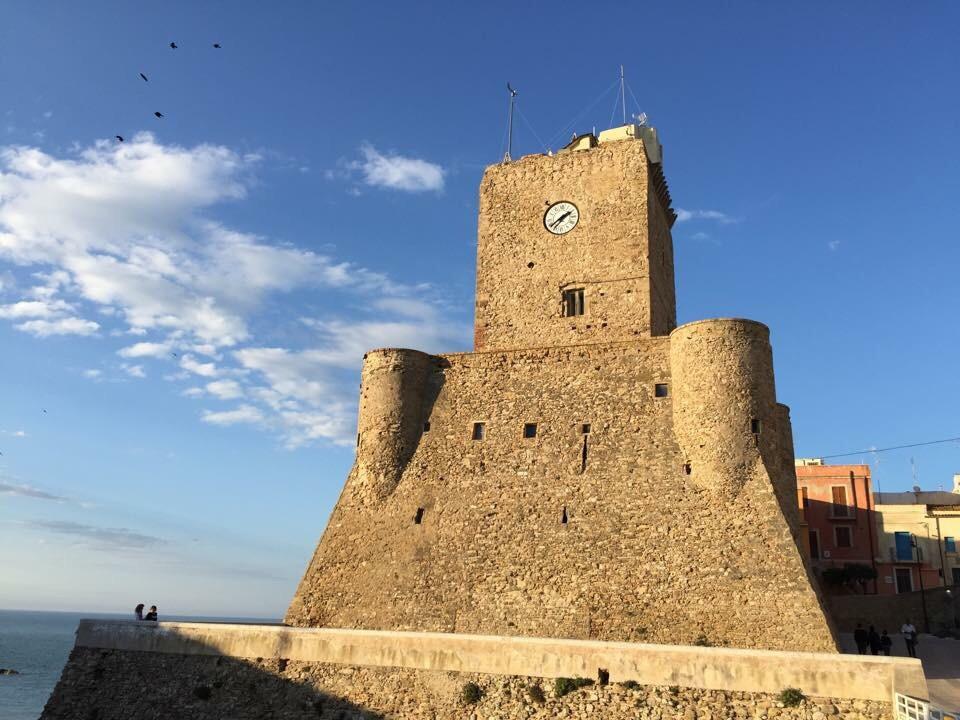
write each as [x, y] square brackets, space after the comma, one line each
[838, 516]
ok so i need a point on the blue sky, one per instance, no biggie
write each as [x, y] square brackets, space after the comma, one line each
[182, 315]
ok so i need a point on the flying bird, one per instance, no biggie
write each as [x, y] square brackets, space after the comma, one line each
[217, 45]
[119, 137]
[144, 77]
[173, 46]
[159, 114]
[44, 411]
[173, 354]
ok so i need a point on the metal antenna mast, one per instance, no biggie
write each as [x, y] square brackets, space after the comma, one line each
[623, 95]
[513, 95]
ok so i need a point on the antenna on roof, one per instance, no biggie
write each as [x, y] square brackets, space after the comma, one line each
[513, 95]
[640, 119]
[623, 95]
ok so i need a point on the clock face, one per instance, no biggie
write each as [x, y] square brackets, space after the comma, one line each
[561, 218]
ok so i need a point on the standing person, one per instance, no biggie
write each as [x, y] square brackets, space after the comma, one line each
[138, 612]
[874, 641]
[861, 639]
[885, 643]
[152, 615]
[909, 633]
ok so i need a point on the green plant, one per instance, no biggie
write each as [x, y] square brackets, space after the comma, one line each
[791, 697]
[565, 686]
[471, 693]
[536, 694]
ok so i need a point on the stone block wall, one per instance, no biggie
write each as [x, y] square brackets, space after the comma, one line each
[126, 685]
[620, 253]
[592, 528]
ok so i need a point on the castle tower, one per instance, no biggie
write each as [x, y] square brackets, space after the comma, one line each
[590, 470]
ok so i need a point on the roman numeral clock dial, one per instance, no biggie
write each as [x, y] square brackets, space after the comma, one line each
[561, 217]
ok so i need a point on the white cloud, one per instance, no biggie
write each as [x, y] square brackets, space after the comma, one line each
[833, 245]
[398, 172]
[714, 215]
[136, 371]
[63, 326]
[145, 349]
[225, 389]
[124, 233]
[700, 236]
[242, 414]
[208, 369]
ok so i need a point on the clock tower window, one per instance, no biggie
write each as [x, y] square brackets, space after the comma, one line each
[573, 302]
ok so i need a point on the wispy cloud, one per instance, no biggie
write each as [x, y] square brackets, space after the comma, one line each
[100, 538]
[712, 215]
[132, 250]
[833, 245]
[27, 491]
[398, 172]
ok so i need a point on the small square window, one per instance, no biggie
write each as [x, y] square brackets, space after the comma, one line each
[573, 302]
[585, 429]
[529, 430]
[661, 390]
[479, 430]
[755, 426]
[426, 427]
[418, 518]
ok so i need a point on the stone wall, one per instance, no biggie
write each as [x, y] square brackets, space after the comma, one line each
[597, 534]
[119, 685]
[620, 253]
[890, 611]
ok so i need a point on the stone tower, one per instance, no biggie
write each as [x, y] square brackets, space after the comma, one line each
[590, 470]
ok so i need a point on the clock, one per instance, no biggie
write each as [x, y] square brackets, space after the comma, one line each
[561, 217]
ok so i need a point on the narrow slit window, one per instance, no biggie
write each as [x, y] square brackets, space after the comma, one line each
[358, 439]
[479, 431]
[661, 390]
[573, 302]
[563, 516]
[418, 518]
[585, 429]
[426, 427]
[583, 456]
[687, 469]
[529, 430]
[755, 426]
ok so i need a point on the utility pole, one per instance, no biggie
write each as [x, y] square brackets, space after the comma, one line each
[623, 95]
[923, 594]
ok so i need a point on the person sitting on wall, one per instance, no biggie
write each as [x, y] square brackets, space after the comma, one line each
[874, 639]
[909, 633]
[138, 611]
[152, 615]
[861, 639]
[885, 643]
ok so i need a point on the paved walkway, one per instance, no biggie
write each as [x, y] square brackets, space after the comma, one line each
[941, 665]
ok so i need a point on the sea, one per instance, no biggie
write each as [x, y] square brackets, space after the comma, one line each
[36, 645]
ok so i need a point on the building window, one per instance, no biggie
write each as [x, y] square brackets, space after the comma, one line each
[573, 302]
[755, 426]
[803, 497]
[839, 507]
[904, 578]
[661, 390]
[843, 536]
[418, 518]
[426, 427]
[687, 469]
[479, 430]
[904, 546]
[814, 545]
[949, 544]
[529, 430]
[585, 429]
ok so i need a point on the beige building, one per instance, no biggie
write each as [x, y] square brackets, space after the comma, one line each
[917, 535]
[590, 470]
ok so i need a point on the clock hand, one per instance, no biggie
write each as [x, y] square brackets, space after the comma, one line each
[560, 219]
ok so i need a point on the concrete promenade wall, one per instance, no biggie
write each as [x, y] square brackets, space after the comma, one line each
[754, 671]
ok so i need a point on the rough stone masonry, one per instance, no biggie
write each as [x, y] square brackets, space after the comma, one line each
[590, 470]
